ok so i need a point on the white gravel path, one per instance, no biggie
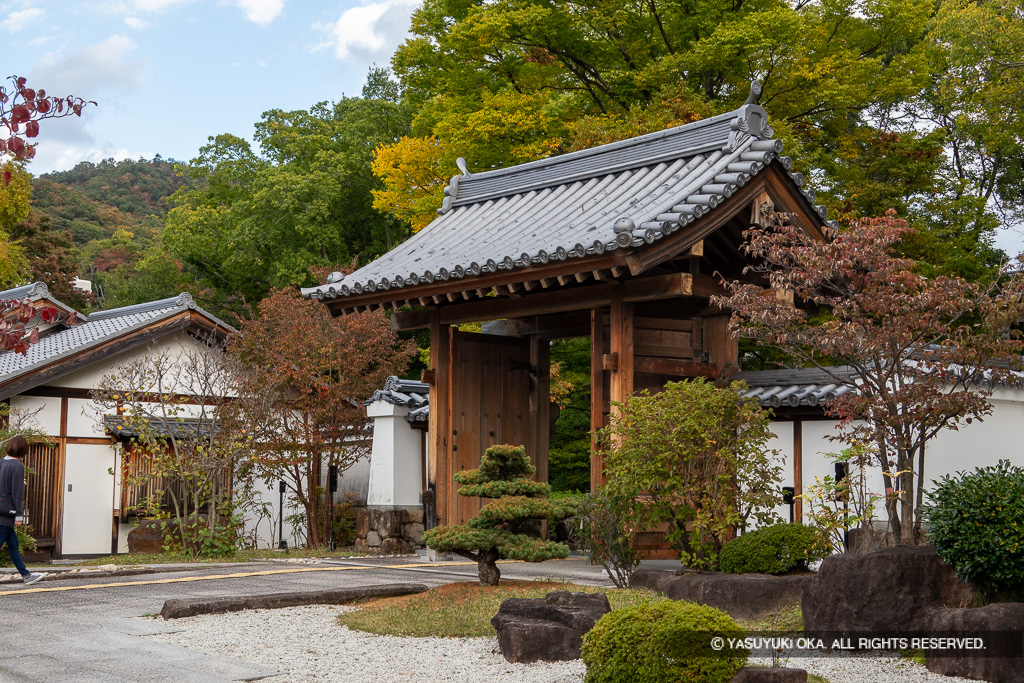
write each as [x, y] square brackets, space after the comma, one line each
[307, 644]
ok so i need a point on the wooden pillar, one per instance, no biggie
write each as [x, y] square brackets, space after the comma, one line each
[596, 394]
[540, 405]
[723, 348]
[440, 455]
[798, 470]
[621, 342]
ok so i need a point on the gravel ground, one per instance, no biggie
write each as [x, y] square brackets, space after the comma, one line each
[307, 644]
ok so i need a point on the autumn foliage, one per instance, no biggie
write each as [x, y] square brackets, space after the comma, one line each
[927, 352]
[503, 527]
[302, 381]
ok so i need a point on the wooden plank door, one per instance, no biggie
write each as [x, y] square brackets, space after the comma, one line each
[491, 382]
[44, 485]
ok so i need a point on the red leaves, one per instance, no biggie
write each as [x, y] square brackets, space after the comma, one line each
[24, 106]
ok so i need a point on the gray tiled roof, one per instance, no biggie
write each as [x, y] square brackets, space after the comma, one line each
[621, 195]
[97, 329]
[792, 388]
[405, 392]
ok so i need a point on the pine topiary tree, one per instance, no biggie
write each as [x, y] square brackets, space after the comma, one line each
[503, 529]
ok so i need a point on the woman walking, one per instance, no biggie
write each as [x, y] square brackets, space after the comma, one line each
[12, 488]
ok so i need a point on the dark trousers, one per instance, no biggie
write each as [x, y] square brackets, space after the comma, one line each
[8, 536]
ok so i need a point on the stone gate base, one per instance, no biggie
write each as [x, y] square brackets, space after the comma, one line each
[389, 530]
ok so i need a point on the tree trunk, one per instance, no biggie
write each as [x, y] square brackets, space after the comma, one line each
[487, 569]
[906, 465]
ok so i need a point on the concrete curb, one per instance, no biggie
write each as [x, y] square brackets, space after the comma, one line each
[189, 607]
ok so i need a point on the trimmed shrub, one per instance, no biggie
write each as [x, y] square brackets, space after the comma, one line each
[662, 642]
[976, 523]
[775, 549]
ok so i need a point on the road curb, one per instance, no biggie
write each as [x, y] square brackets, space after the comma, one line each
[190, 607]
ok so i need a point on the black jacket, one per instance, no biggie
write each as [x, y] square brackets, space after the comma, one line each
[12, 486]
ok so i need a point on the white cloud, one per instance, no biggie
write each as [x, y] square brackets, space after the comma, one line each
[261, 11]
[84, 72]
[156, 5]
[61, 157]
[16, 21]
[372, 31]
[136, 23]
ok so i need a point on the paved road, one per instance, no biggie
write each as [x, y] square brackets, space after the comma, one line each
[70, 631]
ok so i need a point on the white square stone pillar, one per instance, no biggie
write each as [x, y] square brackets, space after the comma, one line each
[396, 462]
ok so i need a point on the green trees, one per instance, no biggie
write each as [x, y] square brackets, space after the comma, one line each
[693, 456]
[503, 528]
[891, 104]
[252, 220]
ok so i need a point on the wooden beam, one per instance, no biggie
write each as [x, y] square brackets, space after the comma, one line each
[546, 282]
[530, 285]
[452, 296]
[582, 277]
[602, 275]
[674, 285]
[672, 366]
[618, 272]
[610, 362]
[798, 471]
[564, 279]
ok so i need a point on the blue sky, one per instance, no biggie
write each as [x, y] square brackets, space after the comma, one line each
[168, 74]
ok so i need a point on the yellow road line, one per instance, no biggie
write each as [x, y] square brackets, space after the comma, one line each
[242, 575]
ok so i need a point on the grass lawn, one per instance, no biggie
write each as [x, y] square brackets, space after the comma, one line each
[464, 610]
[239, 556]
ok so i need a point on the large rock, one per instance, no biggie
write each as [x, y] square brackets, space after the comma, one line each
[893, 589]
[549, 630]
[147, 538]
[996, 625]
[741, 596]
[395, 546]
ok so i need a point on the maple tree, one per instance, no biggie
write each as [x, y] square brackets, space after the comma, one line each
[926, 353]
[302, 379]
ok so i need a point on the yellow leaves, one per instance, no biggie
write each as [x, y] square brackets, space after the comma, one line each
[414, 175]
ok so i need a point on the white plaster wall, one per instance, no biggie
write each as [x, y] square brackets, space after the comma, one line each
[48, 417]
[89, 377]
[88, 505]
[261, 519]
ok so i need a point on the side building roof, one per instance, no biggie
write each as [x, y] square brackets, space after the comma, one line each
[103, 332]
[626, 195]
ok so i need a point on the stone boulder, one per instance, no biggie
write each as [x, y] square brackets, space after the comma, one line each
[889, 590]
[741, 596]
[549, 630]
[147, 538]
[763, 674]
[1001, 621]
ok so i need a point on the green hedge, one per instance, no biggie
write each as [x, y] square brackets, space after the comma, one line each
[662, 642]
[976, 523]
[775, 549]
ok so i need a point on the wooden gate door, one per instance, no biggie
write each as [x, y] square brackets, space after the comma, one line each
[491, 382]
[43, 500]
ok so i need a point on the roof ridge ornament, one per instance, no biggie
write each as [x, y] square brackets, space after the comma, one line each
[755, 92]
[751, 120]
[451, 192]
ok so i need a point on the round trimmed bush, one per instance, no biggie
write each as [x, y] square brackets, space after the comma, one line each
[976, 523]
[775, 549]
[662, 642]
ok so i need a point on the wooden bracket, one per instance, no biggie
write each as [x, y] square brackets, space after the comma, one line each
[610, 361]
